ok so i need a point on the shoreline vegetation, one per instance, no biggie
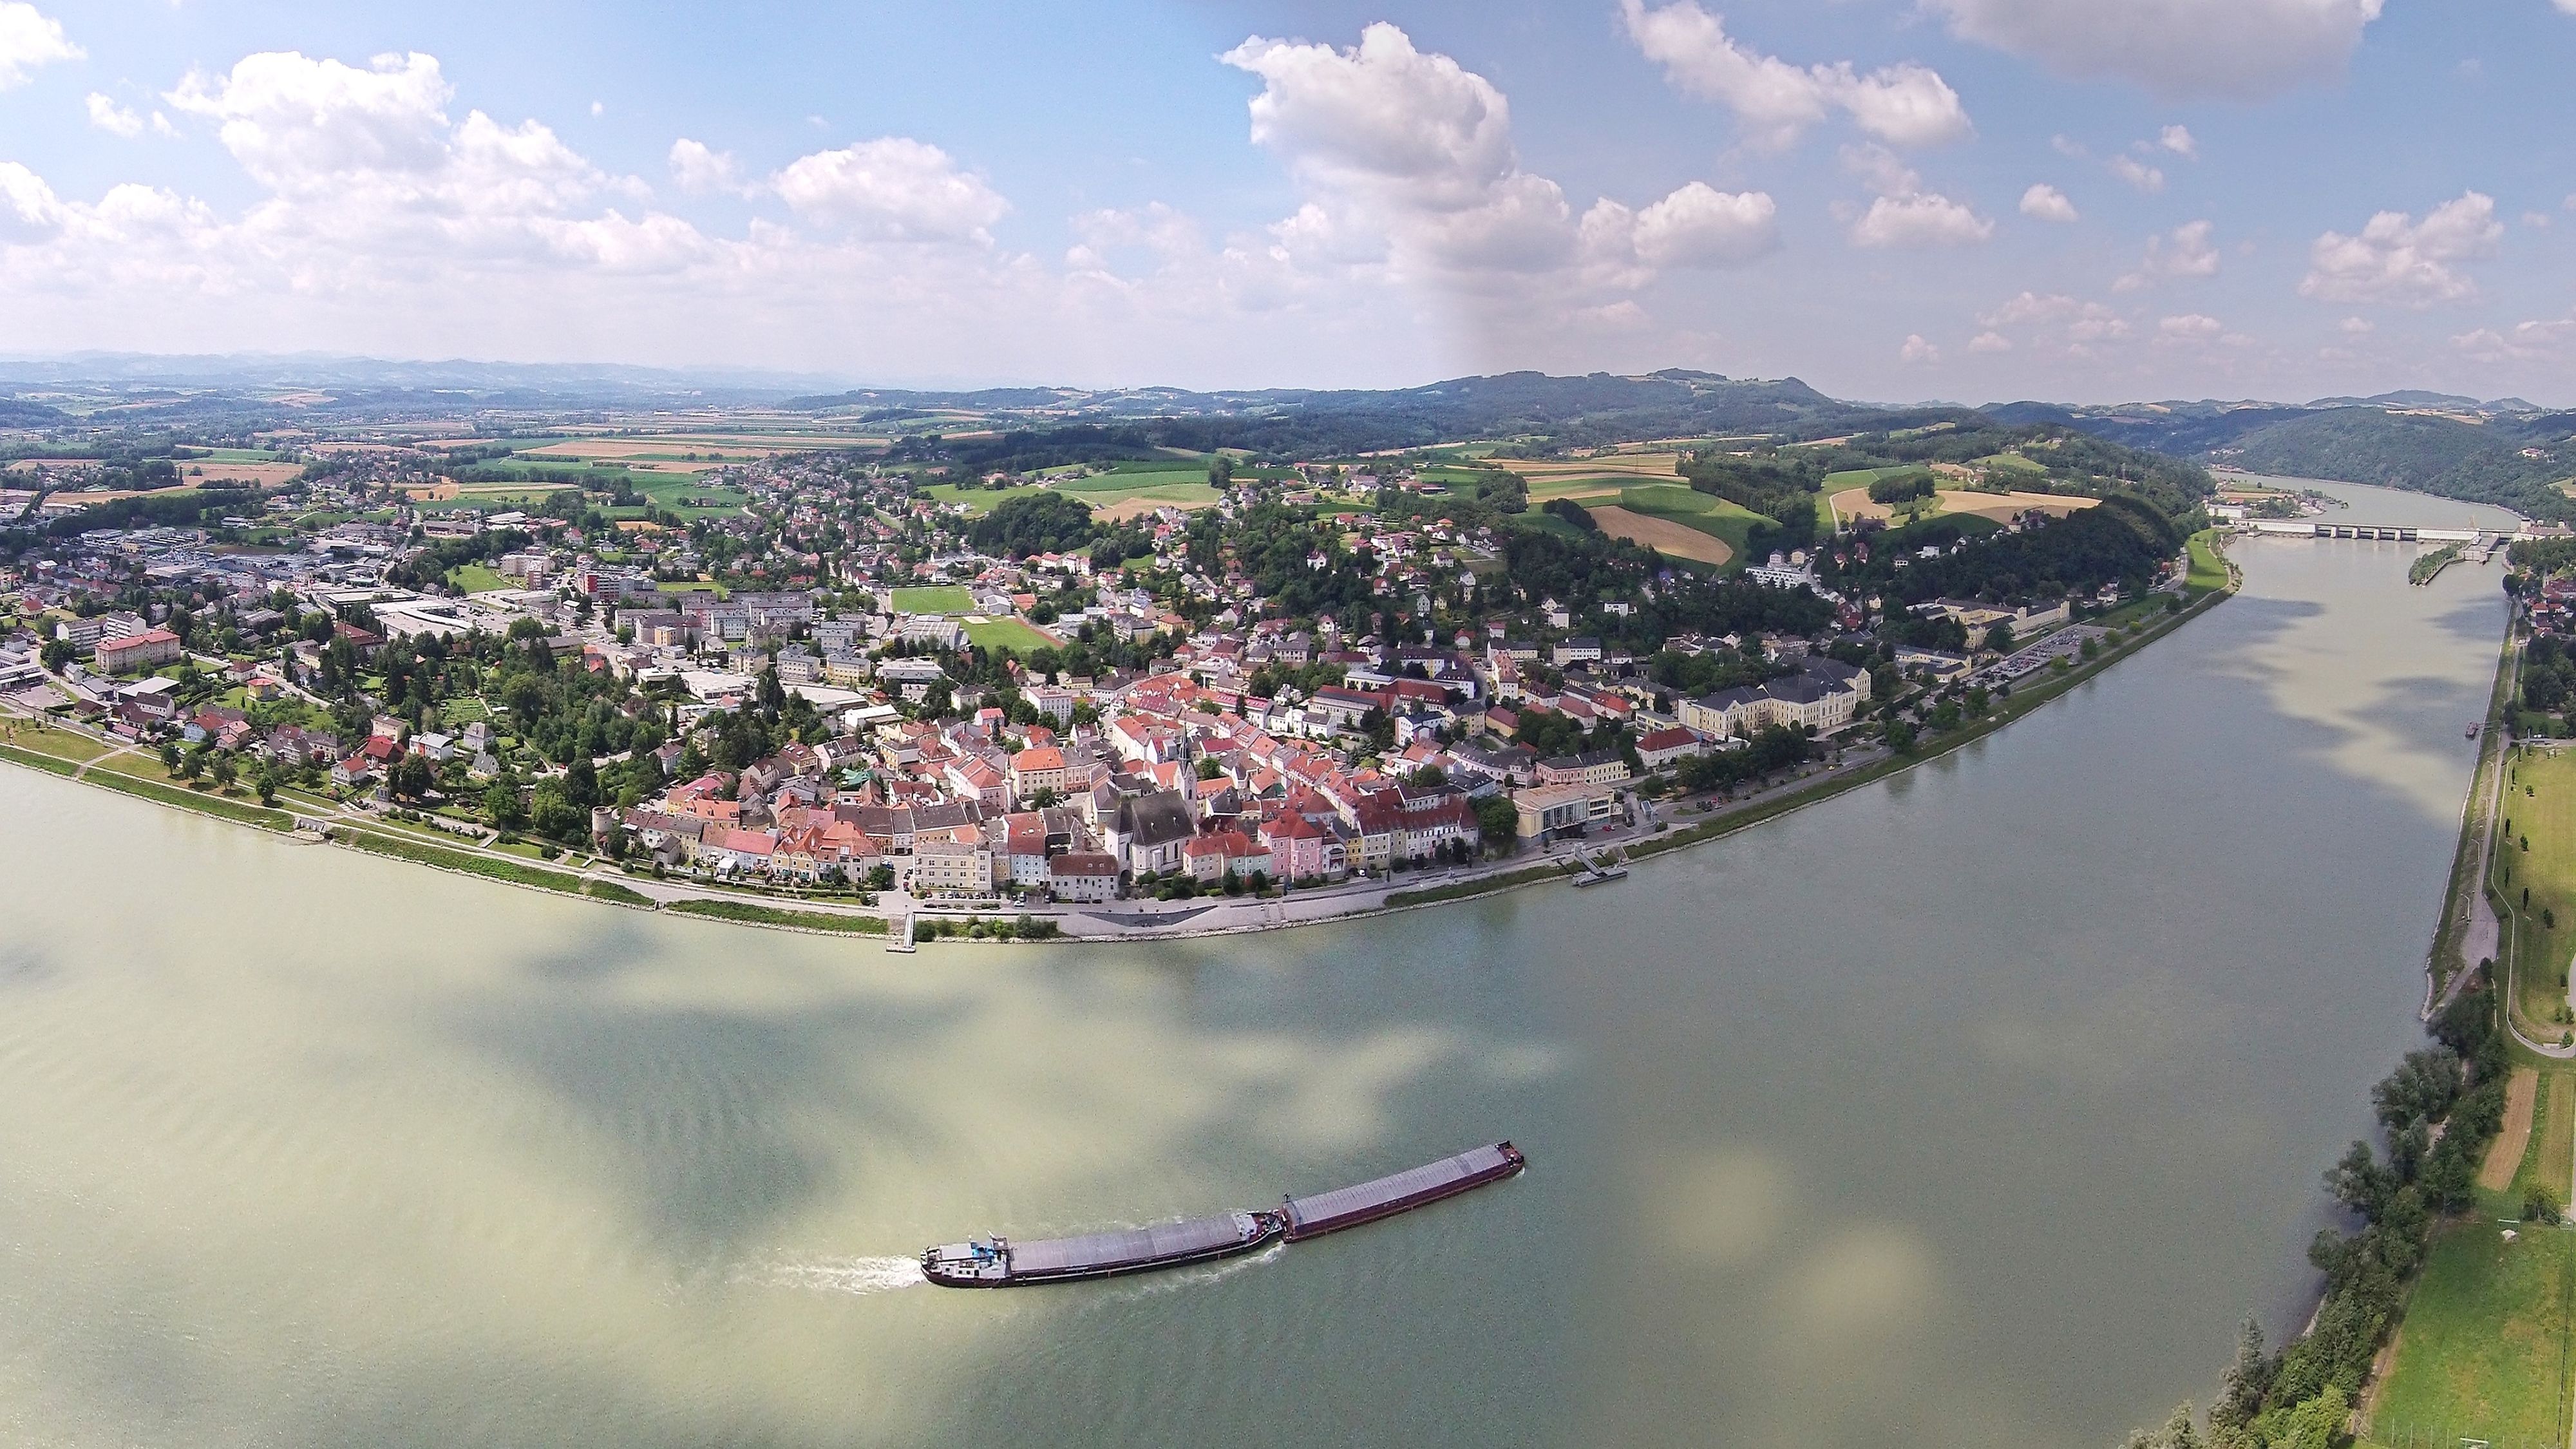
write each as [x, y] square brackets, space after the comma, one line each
[2457, 1279]
[2212, 578]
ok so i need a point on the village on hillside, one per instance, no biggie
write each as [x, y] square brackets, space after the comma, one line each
[815, 671]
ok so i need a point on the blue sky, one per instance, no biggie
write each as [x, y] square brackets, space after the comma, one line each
[1896, 199]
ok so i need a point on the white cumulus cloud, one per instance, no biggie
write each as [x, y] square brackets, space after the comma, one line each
[1700, 225]
[894, 188]
[2241, 49]
[2054, 323]
[2184, 253]
[2190, 327]
[2178, 140]
[1919, 221]
[30, 39]
[2138, 174]
[700, 169]
[1906, 104]
[1409, 165]
[2403, 262]
[1905, 214]
[108, 116]
[2047, 203]
[2526, 342]
[1917, 350]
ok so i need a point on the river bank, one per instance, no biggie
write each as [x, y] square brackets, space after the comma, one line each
[76, 755]
[354, 1152]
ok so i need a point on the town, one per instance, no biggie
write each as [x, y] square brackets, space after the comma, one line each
[898, 676]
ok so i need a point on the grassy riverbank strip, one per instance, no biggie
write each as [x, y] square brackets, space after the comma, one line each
[750, 914]
[203, 802]
[440, 857]
[2469, 865]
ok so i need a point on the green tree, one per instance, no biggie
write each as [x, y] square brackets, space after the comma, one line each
[2242, 1388]
[552, 811]
[412, 777]
[2316, 1423]
[2539, 1205]
[1999, 639]
[501, 803]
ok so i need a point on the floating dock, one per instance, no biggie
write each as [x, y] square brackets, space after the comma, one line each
[998, 1262]
[1592, 872]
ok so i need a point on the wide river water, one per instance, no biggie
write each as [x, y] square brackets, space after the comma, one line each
[1974, 1107]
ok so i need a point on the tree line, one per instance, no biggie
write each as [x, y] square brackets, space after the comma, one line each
[2437, 1113]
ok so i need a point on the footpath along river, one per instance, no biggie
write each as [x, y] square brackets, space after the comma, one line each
[1970, 1108]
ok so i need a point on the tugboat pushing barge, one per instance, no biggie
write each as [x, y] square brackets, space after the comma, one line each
[997, 1262]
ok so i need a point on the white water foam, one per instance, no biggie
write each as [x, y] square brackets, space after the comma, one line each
[857, 1276]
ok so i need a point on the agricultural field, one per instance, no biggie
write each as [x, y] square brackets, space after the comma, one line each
[676, 493]
[935, 599]
[2012, 463]
[2489, 1336]
[2484, 1349]
[1851, 503]
[2002, 506]
[1728, 523]
[2536, 885]
[1663, 535]
[1577, 478]
[1673, 518]
[1118, 496]
[976, 501]
[239, 465]
[685, 450]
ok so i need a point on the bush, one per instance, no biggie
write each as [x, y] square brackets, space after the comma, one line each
[1903, 489]
[1572, 512]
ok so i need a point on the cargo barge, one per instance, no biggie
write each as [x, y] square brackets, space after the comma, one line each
[998, 1262]
[1348, 1207]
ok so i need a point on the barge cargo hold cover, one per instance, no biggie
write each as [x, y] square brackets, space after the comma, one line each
[999, 1261]
[1330, 1212]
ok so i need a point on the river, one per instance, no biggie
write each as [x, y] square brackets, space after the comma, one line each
[1973, 1107]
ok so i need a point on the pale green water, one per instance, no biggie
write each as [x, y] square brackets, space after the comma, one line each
[1971, 1108]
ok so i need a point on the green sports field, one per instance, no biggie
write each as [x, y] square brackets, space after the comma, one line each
[1008, 634]
[935, 599]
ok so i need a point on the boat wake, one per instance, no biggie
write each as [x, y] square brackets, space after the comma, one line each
[856, 1276]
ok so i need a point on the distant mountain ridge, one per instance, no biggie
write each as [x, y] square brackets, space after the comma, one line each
[2503, 451]
[2506, 452]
